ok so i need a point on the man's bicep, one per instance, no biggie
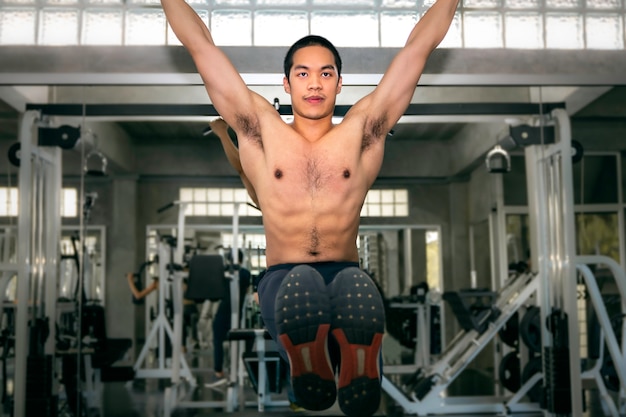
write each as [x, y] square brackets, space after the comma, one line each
[396, 89]
[228, 92]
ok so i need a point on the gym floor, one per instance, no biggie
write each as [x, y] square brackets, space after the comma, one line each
[145, 398]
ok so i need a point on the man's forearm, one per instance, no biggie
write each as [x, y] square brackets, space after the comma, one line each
[186, 23]
[433, 26]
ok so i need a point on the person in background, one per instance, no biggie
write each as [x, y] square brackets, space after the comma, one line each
[222, 318]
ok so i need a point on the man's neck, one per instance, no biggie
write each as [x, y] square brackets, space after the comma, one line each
[312, 129]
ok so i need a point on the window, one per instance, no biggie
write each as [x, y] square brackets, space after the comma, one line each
[217, 202]
[221, 202]
[527, 24]
[386, 203]
[9, 202]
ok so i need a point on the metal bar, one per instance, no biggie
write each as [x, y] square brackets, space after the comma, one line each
[416, 109]
[25, 223]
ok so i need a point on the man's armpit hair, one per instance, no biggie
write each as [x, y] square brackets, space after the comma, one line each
[374, 130]
[249, 126]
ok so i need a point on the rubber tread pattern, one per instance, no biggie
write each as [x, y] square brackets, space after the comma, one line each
[302, 313]
[358, 325]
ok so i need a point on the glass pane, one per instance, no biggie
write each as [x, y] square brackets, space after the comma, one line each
[186, 194]
[523, 30]
[214, 210]
[395, 27]
[143, 2]
[18, 2]
[228, 210]
[120, 2]
[402, 210]
[241, 195]
[102, 27]
[481, 4]
[564, 31]
[69, 202]
[563, 4]
[228, 195]
[373, 196]
[214, 195]
[58, 27]
[281, 2]
[604, 31]
[433, 261]
[521, 4]
[233, 2]
[17, 26]
[603, 4]
[399, 3]
[273, 28]
[199, 209]
[374, 211]
[454, 37]
[230, 27]
[387, 210]
[597, 234]
[333, 26]
[199, 194]
[59, 2]
[343, 2]
[145, 27]
[402, 196]
[482, 29]
[595, 180]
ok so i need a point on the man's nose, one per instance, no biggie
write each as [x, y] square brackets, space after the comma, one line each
[314, 83]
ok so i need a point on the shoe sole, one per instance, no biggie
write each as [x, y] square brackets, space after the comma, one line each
[358, 324]
[303, 321]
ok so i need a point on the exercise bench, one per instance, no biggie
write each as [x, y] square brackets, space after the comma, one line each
[265, 379]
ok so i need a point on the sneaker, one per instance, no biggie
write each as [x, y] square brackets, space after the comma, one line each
[303, 321]
[216, 380]
[296, 407]
[358, 324]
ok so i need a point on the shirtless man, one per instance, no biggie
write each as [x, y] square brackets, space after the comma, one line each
[311, 178]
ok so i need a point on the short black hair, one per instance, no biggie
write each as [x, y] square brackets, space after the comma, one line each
[311, 40]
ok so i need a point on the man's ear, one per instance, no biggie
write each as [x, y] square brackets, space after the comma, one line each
[286, 85]
[339, 85]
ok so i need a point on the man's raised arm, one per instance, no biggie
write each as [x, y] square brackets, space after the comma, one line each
[393, 95]
[227, 90]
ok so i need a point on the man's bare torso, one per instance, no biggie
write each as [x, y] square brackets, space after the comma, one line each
[311, 191]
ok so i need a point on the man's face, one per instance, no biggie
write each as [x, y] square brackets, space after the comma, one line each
[313, 82]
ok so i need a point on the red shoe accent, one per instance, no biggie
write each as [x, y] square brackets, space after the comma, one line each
[319, 361]
[350, 368]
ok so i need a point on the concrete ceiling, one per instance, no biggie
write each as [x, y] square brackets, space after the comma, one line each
[462, 95]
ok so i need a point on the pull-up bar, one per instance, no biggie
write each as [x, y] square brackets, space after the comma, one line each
[416, 109]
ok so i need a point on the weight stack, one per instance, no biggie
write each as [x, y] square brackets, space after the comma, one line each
[39, 387]
[558, 389]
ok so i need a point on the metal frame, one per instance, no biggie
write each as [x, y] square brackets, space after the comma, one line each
[552, 231]
[161, 327]
[39, 231]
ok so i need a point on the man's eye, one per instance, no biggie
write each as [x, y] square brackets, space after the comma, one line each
[302, 74]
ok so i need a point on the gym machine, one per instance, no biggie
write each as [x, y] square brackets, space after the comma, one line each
[551, 287]
[170, 259]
